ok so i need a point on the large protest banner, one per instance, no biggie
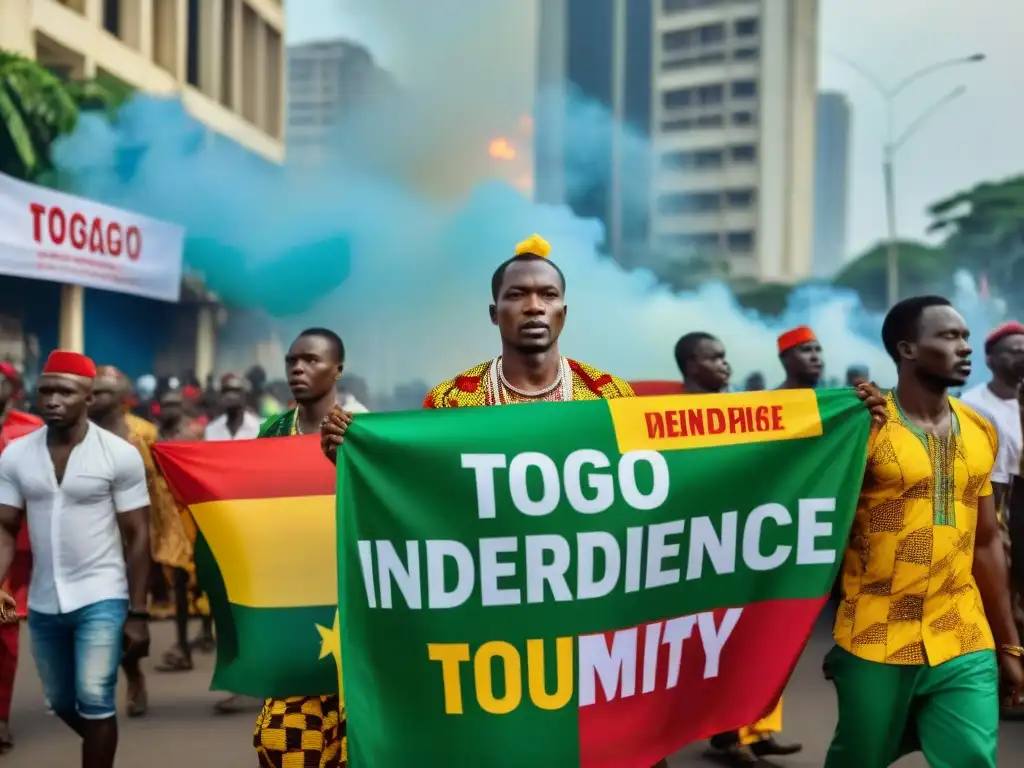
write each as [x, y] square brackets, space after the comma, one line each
[585, 584]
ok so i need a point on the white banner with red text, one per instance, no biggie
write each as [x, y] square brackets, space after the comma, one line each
[50, 235]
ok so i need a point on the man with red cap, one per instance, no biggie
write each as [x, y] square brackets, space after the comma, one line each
[800, 354]
[997, 401]
[13, 424]
[82, 492]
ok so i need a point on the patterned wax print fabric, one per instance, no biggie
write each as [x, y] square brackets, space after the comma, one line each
[908, 593]
[472, 387]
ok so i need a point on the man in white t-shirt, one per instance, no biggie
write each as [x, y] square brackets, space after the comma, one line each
[997, 401]
[82, 491]
[236, 422]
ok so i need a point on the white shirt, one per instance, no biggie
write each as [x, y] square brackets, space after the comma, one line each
[218, 428]
[1005, 417]
[77, 553]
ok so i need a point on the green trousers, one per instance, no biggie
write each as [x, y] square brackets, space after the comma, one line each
[950, 712]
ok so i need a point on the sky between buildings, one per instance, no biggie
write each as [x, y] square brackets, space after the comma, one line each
[977, 137]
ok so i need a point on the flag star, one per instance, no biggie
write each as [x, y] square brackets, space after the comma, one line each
[330, 645]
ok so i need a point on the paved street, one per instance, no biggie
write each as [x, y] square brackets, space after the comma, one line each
[181, 728]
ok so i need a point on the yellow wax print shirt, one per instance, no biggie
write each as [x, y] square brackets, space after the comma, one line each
[908, 593]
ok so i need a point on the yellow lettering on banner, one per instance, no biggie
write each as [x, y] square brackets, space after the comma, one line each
[513, 670]
[450, 655]
[535, 668]
[678, 422]
[510, 661]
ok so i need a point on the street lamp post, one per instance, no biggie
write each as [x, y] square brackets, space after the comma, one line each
[894, 142]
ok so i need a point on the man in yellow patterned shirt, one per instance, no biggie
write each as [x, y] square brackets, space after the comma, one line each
[924, 625]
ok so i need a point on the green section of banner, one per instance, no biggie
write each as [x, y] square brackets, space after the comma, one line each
[759, 521]
[256, 646]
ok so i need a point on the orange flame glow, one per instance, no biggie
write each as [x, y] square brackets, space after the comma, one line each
[501, 149]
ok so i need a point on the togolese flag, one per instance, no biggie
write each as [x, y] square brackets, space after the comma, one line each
[585, 584]
[266, 555]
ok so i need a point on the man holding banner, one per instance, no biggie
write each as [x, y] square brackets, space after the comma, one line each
[925, 624]
[529, 310]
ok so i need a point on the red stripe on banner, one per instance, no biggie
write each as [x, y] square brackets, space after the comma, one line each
[754, 666]
[274, 467]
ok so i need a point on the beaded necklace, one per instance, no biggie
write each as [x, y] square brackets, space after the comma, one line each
[500, 392]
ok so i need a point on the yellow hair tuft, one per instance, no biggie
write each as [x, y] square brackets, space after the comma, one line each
[534, 244]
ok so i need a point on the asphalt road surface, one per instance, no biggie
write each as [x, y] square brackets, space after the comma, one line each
[182, 729]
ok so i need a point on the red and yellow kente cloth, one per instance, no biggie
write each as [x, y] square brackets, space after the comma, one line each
[470, 387]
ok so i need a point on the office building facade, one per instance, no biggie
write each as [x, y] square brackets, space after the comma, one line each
[831, 183]
[224, 58]
[733, 131]
[327, 81]
[593, 115]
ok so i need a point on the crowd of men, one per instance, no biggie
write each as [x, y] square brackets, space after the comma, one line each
[926, 643]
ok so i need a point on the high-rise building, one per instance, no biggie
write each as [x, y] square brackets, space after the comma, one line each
[733, 135]
[224, 58]
[594, 69]
[326, 80]
[831, 183]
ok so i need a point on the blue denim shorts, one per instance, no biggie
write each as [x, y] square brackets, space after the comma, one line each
[77, 655]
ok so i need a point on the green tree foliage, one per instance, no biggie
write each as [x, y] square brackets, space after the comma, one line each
[922, 269]
[984, 230]
[37, 107]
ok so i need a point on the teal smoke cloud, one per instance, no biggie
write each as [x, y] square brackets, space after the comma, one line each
[404, 277]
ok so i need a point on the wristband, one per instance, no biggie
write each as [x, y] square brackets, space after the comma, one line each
[1013, 650]
[144, 615]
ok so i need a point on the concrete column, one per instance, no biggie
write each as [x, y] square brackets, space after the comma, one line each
[260, 115]
[211, 30]
[137, 22]
[71, 335]
[235, 55]
[16, 28]
[93, 11]
[206, 341]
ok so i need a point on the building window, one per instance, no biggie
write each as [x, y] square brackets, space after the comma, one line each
[676, 99]
[711, 33]
[744, 89]
[746, 54]
[690, 62]
[679, 40]
[709, 121]
[710, 94]
[708, 158]
[192, 43]
[743, 153]
[743, 117]
[702, 241]
[677, 6]
[739, 198]
[689, 202]
[740, 242]
[673, 126]
[745, 27]
[112, 17]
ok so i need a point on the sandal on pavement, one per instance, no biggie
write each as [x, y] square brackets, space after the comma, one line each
[174, 661]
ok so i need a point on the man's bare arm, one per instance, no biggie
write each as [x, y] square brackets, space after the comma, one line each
[11, 520]
[134, 526]
[991, 574]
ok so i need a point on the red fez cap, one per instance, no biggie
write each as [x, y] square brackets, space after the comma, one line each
[794, 337]
[1011, 328]
[70, 364]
